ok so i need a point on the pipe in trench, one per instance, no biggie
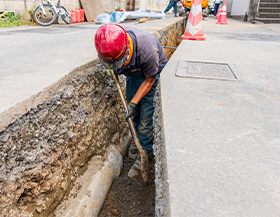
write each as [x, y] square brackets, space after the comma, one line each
[91, 203]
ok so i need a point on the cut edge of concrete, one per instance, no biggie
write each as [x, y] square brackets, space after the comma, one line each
[162, 207]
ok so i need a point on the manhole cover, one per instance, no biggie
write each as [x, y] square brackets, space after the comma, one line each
[208, 70]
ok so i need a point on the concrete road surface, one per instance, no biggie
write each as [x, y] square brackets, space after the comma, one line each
[34, 57]
[223, 137]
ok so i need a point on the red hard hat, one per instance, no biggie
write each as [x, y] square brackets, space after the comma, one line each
[111, 43]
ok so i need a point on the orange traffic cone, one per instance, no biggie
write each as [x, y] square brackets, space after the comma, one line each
[223, 15]
[218, 12]
[194, 29]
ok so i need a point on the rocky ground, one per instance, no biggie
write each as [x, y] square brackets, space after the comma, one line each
[131, 197]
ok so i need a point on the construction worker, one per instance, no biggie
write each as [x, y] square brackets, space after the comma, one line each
[140, 57]
[173, 4]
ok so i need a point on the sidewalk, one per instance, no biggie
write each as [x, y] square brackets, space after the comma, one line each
[222, 137]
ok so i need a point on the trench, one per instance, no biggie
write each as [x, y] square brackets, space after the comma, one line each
[54, 144]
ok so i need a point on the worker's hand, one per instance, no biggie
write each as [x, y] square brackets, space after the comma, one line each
[131, 107]
[184, 5]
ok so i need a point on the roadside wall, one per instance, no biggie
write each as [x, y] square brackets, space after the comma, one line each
[239, 7]
[149, 5]
[47, 140]
[153, 5]
[234, 7]
[19, 8]
[108, 5]
[253, 9]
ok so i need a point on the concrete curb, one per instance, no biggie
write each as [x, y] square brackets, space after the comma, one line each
[91, 203]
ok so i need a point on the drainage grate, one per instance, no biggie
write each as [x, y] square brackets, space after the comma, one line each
[208, 70]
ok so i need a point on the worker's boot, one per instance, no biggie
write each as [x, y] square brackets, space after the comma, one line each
[176, 15]
[133, 151]
[136, 167]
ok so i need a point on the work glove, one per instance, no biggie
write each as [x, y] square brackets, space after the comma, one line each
[109, 73]
[131, 109]
[184, 5]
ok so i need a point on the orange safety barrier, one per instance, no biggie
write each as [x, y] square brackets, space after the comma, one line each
[77, 15]
[73, 16]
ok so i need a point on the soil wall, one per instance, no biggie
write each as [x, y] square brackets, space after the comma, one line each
[49, 146]
[47, 141]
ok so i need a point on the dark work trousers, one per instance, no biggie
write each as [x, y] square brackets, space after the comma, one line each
[170, 5]
[216, 7]
[144, 111]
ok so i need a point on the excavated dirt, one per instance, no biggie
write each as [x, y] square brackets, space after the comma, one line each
[131, 197]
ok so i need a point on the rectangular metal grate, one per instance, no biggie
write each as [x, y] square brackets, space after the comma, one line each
[208, 70]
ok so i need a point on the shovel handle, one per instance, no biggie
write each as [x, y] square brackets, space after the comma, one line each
[125, 106]
[143, 153]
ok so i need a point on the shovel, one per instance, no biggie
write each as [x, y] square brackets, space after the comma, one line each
[143, 153]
